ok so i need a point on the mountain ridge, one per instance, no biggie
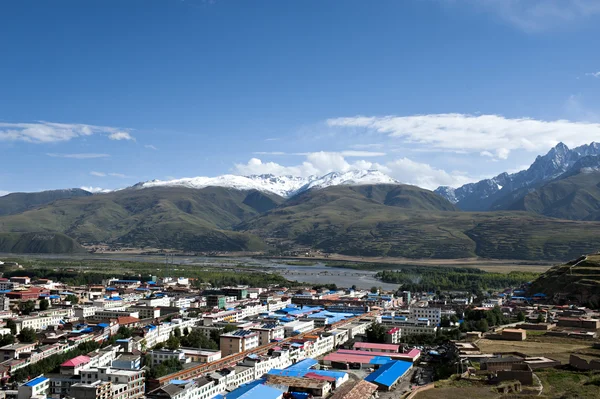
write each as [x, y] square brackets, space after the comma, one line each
[481, 195]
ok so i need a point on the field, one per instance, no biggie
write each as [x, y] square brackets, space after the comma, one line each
[569, 384]
[458, 389]
[553, 347]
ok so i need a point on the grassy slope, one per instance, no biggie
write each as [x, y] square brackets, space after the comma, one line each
[14, 203]
[162, 217]
[575, 197]
[38, 243]
[343, 220]
[581, 282]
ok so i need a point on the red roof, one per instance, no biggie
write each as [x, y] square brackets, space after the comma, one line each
[124, 320]
[369, 345]
[319, 377]
[76, 361]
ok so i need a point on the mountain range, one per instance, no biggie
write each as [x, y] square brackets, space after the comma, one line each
[549, 211]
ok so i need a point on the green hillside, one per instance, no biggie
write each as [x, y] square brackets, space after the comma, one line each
[38, 243]
[577, 280]
[14, 203]
[159, 217]
[345, 220]
[575, 197]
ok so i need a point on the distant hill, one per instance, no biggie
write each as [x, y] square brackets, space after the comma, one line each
[483, 195]
[407, 221]
[578, 280]
[164, 217]
[573, 195]
[38, 243]
[14, 203]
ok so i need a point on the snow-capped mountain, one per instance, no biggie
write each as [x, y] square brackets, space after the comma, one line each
[483, 194]
[285, 186]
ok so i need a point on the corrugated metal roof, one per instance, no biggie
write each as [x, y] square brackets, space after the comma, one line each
[389, 373]
[303, 364]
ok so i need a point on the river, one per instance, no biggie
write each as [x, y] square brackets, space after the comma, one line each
[318, 273]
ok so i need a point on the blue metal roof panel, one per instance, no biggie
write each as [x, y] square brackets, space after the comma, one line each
[35, 381]
[389, 373]
[257, 391]
[303, 364]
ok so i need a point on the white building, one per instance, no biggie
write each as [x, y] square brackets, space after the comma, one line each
[434, 315]
[298, 327]
[159, 356]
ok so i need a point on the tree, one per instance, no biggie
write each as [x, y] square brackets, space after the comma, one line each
[445, 322]
[353, 287]
[177, 332]
[7, 339]
[172, 343]
[27, 307]
[10, 323]
[229, 328]
[197, 339]
[73, 299]
[44, 304]
[482, 325]
[454, 319]
[521, 316]
[373, 290]
[186, 331]
[124, 332]
[27, 335]
[376, 333]
[540, 318]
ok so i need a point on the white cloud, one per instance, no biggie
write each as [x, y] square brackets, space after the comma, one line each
[539, 15]
[120, 136]
[78, 156]
[424, 175]
[95, 189]
[486, 154]
[348, 153]
[49, 132]
[320, 163]
[372, 146]
[476, 133]
[151, 147]
[102, 174]
[594, 74]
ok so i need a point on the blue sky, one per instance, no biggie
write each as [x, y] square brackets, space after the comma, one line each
[106, 93]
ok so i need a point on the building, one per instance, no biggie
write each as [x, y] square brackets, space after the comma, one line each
[176, 389]
[434, 315]
[238, 292]
[371, 347]
[393, 335]
[15, 350]
[388, 375]
[578, 322]
[129, 383]
[95, 390]
[161, 355]
[514, 334]
[74, 366]
[146, 312]
[238, 341]
[269, 332]
[298, 327]
[216, 301]
[358, 390]
[201, 355]
[35, 388]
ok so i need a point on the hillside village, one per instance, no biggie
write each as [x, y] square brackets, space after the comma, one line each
[163, 338]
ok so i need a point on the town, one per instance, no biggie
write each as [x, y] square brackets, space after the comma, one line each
[163, 337]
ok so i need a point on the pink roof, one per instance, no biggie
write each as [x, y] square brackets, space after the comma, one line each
[346, 358]
[412, 355]
[389, 347]
[76, 361]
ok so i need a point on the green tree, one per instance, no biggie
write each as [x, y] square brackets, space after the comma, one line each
[186, 331]
[7, 339]
[27, 307]
[177, 332]
[172, 343]
[44, 304]
[374, 290]
[230, 328]
[521, 316]
[124, 332]
[10, 323]
[376, 333]
[445, 322]
[27, 335]
[482, 325]
[540, 318]
[197, 339]
[73, 299]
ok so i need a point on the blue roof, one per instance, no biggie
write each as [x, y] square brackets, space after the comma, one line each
[540, 295]
[303, 364]
[178, 382]
[35, 381]
[114, 298]
[389, 373]
[111, 289]
[329, 373]
[380, 360]
[288, 373]
[103, 325]
[258, 391]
